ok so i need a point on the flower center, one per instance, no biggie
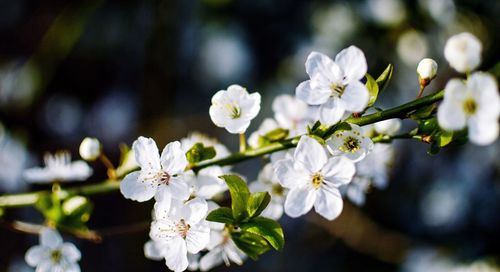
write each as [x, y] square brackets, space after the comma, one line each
[277, 190]
[163, 178]
[470, 106]
[234, 111]
[337, 89]
[351, 144]
[317, 180]
[55, 255]
[183, 228]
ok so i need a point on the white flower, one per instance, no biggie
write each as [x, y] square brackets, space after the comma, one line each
[178, 229]
[335, 85]
[292, 114]
[426, 70]
[53, 254]
[267, 181]
[90, 149]
[234, 109]
[193, 138]
[313, 180]
[159, 176]
[463, 52]
[388, 127]
[266, 126]
[352, 144]
[206, 183]
[58, 167]
[475, 104]
[221, 247]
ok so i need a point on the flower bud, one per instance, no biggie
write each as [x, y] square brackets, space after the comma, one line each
[463, 52]
[90, 149]
[426, 70]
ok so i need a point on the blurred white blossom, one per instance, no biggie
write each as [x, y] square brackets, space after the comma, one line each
[58, 168]
[463, 52]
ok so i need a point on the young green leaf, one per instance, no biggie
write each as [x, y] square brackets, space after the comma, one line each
[239, 192]
[268, 229]
[276, 134]
[221, 215]
[373, 89]
[257, 202]
[384, 78]
[445, 138]
[199, 153]
[252, 244]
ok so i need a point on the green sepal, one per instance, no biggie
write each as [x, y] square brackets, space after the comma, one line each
[373, 89]
[384, 78]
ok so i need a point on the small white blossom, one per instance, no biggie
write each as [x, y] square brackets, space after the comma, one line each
[178, 229]
[388, 127]
[335, 85]
[58, 167]
[463, 52]
[426, 70]
[160, 177]
[266, 126]
[90, 149]
[475, 104]
[221, 247]
[206, 183]
[293, 114]
[267, 181]
[53, 254]
[313, 180]
[352, 144]
[234, 109]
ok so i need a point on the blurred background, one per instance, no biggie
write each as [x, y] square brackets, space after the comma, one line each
[119, 69]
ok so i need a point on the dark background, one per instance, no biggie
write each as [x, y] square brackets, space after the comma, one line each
[119, 69]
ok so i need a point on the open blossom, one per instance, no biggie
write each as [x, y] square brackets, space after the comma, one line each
[178, 228]
[313, 180]
[159, 176]
[475, 104]
[234, 108]
[335, 85]
[206, 183]
[267, 181]
[60, 168]
[52, 254]
[463, 52]
[352, 144]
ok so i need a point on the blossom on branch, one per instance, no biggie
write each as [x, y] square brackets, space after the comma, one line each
[352, 144]
[58, 168]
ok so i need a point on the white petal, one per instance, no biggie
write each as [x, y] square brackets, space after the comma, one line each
[234, 254]
[50, 238]
[355, 97]
[133, 188]
[36, 254]
[162, 207]
[288, 176]
[357, 156]
[38, 175]
[46, 266]
[197, 237]
[310, 153]
[71, 252]
[338, 171]
[146, 153]
[79, 170]
[483, 132]
[274, 210]
[312, 96]
[328, 203]
[250, 106]
[353, 62]
[299, 201]
[237, 126]
[451, 116]
[176, 255]
[322, 70]
[197, 209]
[179, 188]
[332, 111]
[485, 90]
[173, 158]
[212, 259]
[154, 250]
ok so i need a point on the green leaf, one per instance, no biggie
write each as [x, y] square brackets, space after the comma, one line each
[239, 192]
[257, 202]
[198, 152]
[384, 78]
[445, 138]
[268, 229]
[252, 244]
[276, 134]
[373, 89]
[221, 215]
